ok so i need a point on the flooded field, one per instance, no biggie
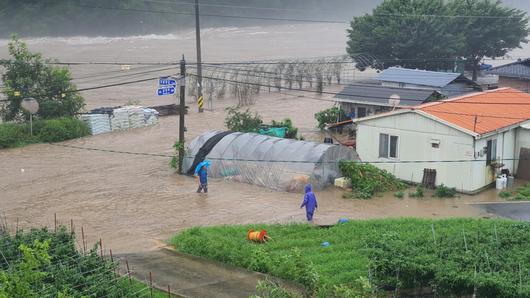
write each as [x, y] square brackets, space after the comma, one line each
[134, 201]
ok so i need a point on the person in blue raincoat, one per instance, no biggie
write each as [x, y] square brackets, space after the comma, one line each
[310, 202]
[201, 172]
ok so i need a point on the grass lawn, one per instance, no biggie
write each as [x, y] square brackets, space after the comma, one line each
[453, 257]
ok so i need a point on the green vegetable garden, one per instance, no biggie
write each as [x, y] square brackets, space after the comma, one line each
[40, 263]
[453, 257]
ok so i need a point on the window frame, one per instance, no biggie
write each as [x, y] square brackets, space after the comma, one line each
[385, 146]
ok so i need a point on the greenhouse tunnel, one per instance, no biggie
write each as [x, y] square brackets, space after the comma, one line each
[275, 163]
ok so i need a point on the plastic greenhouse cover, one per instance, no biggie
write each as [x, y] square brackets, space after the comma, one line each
[275, 163]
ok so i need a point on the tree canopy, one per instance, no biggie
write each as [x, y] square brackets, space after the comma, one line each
[429, 33]
[27, 74]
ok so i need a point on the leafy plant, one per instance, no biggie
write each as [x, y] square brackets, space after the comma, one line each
[55, 130]
[61, 129]
[418, 193]
[174, 162]
[242, 121]
[443, 191]
[27, 74]
[399, 194]
[505, 194]
[368, 180]
[271, 289]
[329, 116]
[291, 132]
[40, 263]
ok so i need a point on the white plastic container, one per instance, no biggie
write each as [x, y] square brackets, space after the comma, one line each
[499, 183]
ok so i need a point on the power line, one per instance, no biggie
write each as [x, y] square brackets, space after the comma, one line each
[216, 15]
[280, 161]
[228, 6]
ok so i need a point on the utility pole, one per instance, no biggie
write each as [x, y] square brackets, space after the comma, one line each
[182, 111]
[199, 62]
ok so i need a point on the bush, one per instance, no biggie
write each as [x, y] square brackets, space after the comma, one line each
[62, 129]
[443, 191]
[329, 116]
[242, 121]
[399, 194]
[291, 132]
[505, 194]
[13, 135]
[522, 193]
[368, 180]
[418, 193]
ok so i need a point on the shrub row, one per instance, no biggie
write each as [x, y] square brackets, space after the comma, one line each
[55, 130]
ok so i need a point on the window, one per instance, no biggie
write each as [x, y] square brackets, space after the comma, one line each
[491, 151]
[388, 146]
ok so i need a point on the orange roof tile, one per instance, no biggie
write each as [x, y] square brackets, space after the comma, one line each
[482, 112]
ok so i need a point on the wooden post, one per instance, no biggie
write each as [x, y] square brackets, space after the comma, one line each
[101, 247]
[168, 291]
[16, 228]
[112, 261]
[72, 227]
[83, 237]
[55, 222]
[128, 271]
[150, 284]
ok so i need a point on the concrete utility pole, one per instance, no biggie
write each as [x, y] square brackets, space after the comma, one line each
[199, 62]
[182, 111]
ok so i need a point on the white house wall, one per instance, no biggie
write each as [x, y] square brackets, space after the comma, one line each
[522, 141]
[482, 174]
[416, 134]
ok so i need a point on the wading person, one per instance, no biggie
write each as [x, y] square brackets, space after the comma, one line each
[202, 176]
[310, 203]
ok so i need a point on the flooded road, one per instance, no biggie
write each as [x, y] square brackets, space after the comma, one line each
[134, 201]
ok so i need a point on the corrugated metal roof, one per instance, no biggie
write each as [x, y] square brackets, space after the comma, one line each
[480, 112]
[519, 69]
[417, 77]
[379, 95]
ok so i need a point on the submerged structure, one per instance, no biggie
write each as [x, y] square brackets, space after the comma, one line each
[275, 163]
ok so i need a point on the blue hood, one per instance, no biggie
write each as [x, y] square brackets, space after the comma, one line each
[308, 188]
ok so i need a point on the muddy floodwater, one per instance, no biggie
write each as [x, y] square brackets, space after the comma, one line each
[133, 202]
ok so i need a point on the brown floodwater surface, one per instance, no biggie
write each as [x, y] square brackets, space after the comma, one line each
[133, 201]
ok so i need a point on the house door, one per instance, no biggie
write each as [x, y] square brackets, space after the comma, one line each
[523, 171]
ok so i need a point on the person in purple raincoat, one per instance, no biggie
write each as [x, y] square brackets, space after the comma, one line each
[310, 202]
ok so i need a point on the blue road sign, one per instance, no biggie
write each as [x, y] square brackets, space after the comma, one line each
[166, 91]
[167, 82]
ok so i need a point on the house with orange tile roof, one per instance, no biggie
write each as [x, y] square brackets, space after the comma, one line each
[467, 140]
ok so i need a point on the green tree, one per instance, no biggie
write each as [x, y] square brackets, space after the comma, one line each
[27, 74]
[499, 30]
[243, 121]
[430, 33]
[395, 34]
